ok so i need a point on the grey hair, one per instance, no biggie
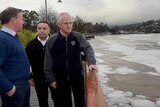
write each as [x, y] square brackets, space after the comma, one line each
[61, 15]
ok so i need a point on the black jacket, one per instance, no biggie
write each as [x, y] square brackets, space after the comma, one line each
[35, 52]
[63, 57]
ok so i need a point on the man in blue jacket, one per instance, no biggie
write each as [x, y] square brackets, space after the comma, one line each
[63, 63]
[14, 65]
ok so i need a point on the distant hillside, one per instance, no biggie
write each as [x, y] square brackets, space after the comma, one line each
[151, 26]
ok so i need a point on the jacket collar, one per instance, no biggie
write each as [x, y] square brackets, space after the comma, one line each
[61, 36]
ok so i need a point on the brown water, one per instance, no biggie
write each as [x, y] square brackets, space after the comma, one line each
[138, 83]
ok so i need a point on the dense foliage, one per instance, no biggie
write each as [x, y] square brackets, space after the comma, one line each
[25, 36]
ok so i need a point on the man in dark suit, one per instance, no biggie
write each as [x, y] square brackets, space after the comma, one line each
[35, 51]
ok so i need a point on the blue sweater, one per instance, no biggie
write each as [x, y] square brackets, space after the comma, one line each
[14, 64]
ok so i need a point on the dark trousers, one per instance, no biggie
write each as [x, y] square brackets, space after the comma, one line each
[42, 93]
[67, 88]
[20, 98]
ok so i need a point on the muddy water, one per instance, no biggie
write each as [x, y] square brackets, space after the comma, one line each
[138, 83]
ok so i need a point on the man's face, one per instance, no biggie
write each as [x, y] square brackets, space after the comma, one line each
[66, 24]
[18, 22]
[43, 30]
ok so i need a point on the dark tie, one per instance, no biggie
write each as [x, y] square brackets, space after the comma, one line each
[16, 35]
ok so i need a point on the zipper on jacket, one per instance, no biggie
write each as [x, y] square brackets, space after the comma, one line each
[67, 59]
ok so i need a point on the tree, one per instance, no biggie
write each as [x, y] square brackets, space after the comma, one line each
[115, 30]
[79, 24]
[51, 17]
[89, 27]
[31, 19]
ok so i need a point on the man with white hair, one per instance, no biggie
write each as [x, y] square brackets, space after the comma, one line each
[63, 63]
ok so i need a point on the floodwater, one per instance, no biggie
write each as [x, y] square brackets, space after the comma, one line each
[133, 62]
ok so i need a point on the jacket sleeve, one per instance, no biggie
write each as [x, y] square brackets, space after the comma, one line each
[87, 49]
[5, 84]
[49, 61]
[29, 53]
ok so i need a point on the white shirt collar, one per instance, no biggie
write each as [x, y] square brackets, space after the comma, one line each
[43, 41]
[8, 30]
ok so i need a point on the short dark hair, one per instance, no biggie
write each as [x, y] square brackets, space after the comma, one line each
[43, 21]
[9, 13]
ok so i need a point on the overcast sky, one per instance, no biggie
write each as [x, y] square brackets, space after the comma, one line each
[113, 12]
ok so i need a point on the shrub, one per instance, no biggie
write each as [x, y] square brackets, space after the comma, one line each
[0, 25]
[25, 36]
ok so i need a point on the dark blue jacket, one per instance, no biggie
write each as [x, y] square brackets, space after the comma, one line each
[14, 64]
[63, 57]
